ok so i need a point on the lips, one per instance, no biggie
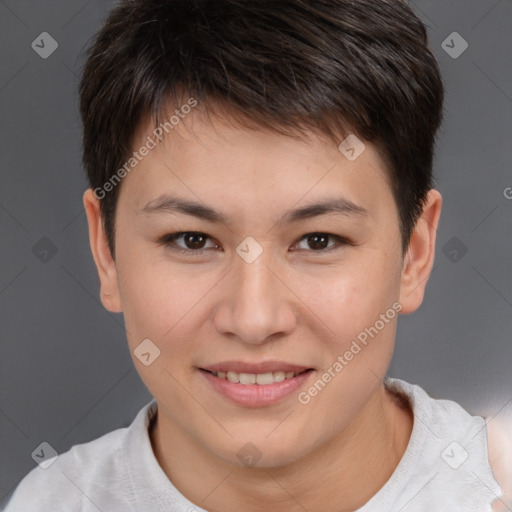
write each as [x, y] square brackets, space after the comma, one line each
[256, 384]
[255, 368]
[263, 373]
[255, 378]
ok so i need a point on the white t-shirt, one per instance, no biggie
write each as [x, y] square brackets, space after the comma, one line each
[445, 468]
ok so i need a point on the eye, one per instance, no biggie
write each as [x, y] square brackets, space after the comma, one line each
[193, 242]
[319, 242]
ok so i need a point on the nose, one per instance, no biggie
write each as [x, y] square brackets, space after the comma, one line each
[257, 305]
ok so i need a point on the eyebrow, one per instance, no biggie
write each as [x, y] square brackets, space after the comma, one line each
[168, 204]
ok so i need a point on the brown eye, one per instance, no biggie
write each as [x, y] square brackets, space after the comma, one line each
[191, 242]
[321, 242]
[194, 240]
[318, 241]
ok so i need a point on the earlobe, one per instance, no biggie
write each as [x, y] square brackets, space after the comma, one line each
[419, 259]
[105, 265]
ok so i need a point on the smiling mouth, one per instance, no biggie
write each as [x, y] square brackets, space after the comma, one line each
[261, 379]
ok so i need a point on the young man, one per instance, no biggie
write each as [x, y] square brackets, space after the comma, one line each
[261, 210]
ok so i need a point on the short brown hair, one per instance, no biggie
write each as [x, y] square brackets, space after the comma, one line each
[333, 66]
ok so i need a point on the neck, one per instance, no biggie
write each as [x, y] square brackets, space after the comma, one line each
[340, 475]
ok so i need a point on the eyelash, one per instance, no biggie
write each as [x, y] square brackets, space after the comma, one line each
[169, 239]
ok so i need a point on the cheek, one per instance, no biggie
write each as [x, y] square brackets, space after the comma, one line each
[155, 307]
[349, 298]
[360, 309]
[152, 297]
[163, 303]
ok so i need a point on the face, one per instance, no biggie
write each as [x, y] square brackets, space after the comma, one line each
[255, 282]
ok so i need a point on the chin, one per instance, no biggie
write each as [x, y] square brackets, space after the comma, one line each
[261, 452]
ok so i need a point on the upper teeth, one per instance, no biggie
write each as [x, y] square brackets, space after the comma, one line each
[256, 378]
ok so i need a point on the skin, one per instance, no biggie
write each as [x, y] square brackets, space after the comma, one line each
[296, 303]
[500, 457]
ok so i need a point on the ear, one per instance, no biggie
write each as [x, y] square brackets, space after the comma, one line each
[420, 255]
[107, 272]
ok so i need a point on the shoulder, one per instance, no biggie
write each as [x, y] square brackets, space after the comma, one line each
[86, 477]
[442, 418]
[499, 433]
[448, 454]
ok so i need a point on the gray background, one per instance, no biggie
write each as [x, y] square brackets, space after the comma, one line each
[66, 376]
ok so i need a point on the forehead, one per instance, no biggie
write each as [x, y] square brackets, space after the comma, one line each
[214, 158]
